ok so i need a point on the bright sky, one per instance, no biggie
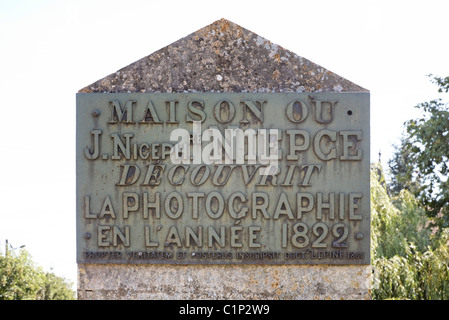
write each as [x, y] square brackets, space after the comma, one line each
[50, 49]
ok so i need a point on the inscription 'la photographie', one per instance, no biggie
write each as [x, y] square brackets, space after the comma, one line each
[223, 178]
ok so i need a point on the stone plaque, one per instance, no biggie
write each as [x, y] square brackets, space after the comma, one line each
[223, 178]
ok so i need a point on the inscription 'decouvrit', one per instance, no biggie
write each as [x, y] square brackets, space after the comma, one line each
[223, 178]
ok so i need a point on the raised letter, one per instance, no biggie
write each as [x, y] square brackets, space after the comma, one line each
[118, 234]
[153, 178]
[148, 242]
[173, 237]
[118, 144]
[150, 114]
[300, 204]
[247, 177]
[353, 205]
[324, 111]
[332, 136]
[226, 108]
[220, 239]
[204, 176]
[235, 238]
[101, 236]
[308, 173]
[261, 204]
[173, 171]
[294, 147]
[218, 174]
[220, 202]
[171, 105]
[130, 203]
[96, 148]
[325, 205]
[253, 237]
[107, 208]
[242, 210]
[118, 115]
[349, 143]
[156, 205]
[179, 207]
[129, 176]
[297, 111]
[196, 107]
[289, 176]
[87, 213]
[283, 207]
[197, 237]
[255, 110]
[195, 196]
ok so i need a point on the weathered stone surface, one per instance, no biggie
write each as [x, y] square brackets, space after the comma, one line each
[223, 282]
[223, 57]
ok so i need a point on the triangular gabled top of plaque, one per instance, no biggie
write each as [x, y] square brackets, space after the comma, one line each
[223, 57]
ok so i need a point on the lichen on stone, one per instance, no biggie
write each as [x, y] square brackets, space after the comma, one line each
[223, 57]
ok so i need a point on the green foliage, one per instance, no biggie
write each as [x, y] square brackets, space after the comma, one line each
[402, 172]
[20, 279]
[426, 143]
[395, 222]
[410, 255]
[417, 275]
[410, 232]
[443, 83]
[57, 288]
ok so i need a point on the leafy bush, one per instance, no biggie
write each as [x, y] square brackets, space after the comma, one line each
[418, 275]
[20, 279]
[410, 255]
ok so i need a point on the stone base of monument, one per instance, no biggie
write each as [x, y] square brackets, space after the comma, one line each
[300, 234]
[242, 282]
